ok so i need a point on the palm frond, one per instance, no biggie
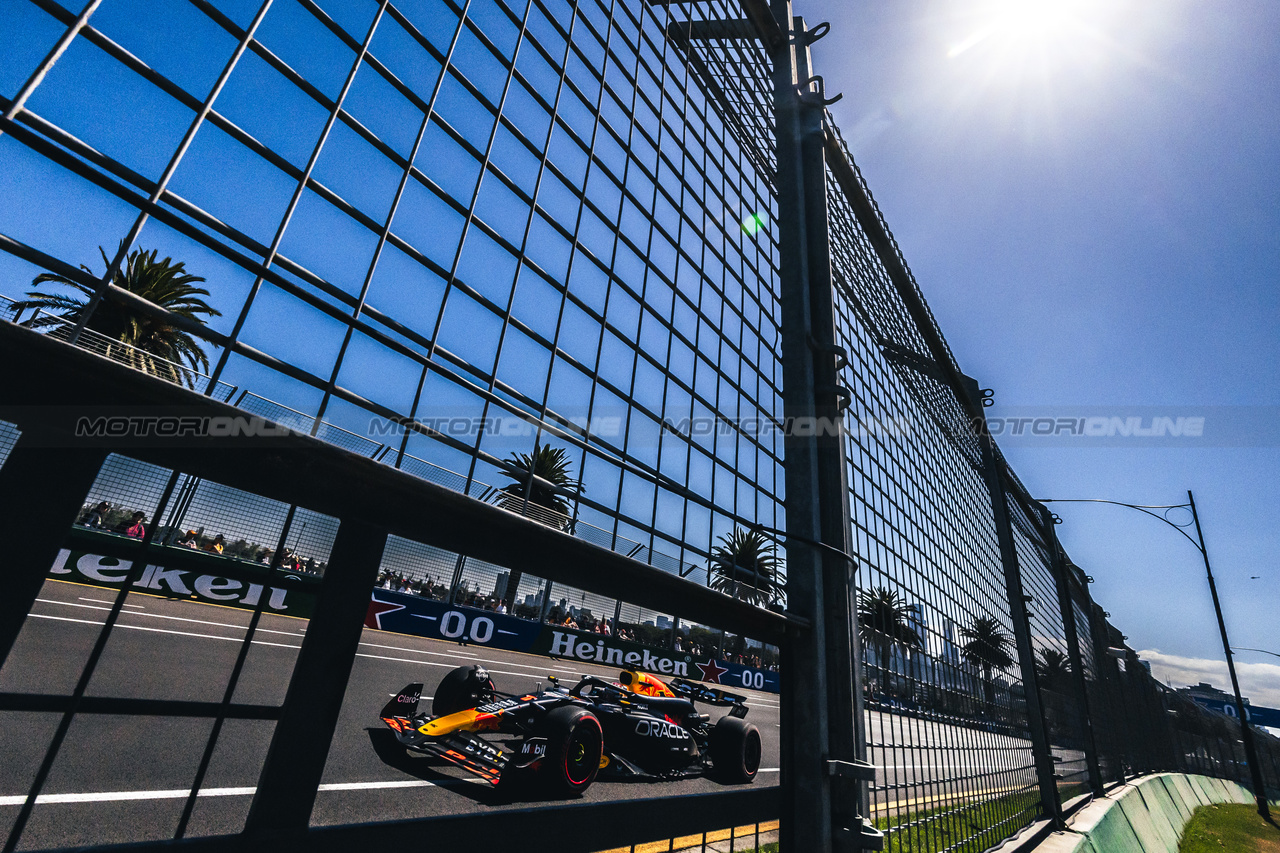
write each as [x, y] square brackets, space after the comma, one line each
[551, 477]
[166, 283]
[744, 565]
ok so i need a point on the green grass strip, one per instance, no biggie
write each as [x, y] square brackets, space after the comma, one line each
[1229, 827]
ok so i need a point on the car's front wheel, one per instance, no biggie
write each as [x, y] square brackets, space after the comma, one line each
[575, 743]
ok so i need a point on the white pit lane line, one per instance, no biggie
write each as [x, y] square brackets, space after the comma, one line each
[94, 600]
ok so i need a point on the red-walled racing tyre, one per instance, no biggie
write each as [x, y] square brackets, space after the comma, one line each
[575, 743]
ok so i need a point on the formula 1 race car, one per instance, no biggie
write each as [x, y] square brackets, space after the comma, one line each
[635, 728]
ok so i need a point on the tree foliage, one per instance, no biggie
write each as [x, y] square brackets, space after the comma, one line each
[165, 283]
[987, 646]
[745, 565]
[1053, 670]
[885, 613]
[552, 477]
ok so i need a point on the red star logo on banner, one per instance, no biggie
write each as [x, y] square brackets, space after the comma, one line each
[373, 617]
[711, 671]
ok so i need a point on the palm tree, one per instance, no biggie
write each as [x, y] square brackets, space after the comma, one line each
[745, 566]
[884, 620]
[541, 478]
[1052, 670]
[154, 346]
[988, 648]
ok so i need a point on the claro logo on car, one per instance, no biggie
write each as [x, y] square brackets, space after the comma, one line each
[571, 646]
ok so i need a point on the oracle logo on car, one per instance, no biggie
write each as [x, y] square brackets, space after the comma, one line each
[660, 728]
[571, 646]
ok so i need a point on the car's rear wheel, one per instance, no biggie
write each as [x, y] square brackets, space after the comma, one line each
[575, 743]
[735, 749]
[463, 688]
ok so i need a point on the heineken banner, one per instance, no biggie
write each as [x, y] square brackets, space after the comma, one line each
[424, 617]
[288, 594]
[405, 614]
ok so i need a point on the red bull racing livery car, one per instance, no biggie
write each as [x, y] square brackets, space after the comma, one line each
[637, 727]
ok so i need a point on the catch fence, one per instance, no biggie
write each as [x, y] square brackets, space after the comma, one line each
[444, 238]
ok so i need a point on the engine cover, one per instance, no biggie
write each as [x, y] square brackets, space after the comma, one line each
[654, 744]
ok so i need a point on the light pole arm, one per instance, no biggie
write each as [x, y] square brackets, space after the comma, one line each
[1263, 651]
[1140, 508]
[1251, 753]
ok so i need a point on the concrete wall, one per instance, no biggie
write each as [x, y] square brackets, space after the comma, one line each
[1145, 816]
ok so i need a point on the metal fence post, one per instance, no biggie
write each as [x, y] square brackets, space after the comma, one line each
[1066, 605]
[43, 487]
[300, 746]
[1099, 631]
[1039, 730]
[823, 744]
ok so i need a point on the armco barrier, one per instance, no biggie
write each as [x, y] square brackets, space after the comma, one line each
[439, 620]
[1146, 816]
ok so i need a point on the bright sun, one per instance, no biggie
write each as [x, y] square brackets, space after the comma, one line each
[1028, 26]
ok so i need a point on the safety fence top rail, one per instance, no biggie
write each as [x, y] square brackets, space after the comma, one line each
[301, 470]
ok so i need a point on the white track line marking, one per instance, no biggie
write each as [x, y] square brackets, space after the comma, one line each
[123, 796]
[82, 598]
[433, 663]
[163, 631]
[172, 618]
[472, 655]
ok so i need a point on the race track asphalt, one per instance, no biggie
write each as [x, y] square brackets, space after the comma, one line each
[119, 779]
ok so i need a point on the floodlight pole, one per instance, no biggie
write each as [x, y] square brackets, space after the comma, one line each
[1250, 751]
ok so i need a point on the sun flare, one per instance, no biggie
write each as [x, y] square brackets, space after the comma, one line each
[1028, 25]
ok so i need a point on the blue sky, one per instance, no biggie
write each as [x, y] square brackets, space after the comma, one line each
[1086, 190]
[1089, 196]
